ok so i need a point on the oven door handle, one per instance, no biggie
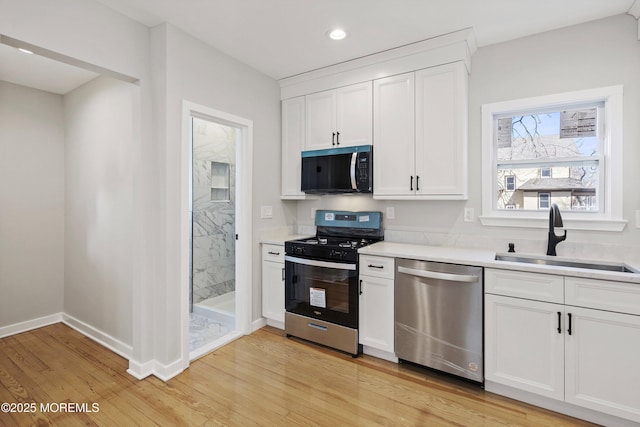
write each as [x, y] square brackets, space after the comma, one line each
[317, 263]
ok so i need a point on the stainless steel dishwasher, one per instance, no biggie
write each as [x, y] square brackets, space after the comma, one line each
[438, 316]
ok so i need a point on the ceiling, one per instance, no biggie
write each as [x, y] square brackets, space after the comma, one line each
[282, 38]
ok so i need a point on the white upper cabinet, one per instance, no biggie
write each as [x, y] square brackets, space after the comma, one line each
[420, 134]
[441, 131]
[394, 135]
[339, 117]
[293, 134]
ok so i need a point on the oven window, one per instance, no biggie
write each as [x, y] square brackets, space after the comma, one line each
[321, 292]
[326, 289]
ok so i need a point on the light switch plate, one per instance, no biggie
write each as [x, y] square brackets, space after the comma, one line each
[266, 211]
[468, 214]
[391, 212]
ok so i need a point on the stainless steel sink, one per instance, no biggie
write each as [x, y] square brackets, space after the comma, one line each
[545, 260]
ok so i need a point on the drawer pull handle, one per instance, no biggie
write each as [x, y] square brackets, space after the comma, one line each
[316, 326]
[273, 253]
[375, 266]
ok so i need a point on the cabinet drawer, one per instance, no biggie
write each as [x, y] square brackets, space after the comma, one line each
[273, 253]
[534, 286]
[603, 295]
[377, 266]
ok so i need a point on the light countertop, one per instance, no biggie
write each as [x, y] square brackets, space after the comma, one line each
[483, 258]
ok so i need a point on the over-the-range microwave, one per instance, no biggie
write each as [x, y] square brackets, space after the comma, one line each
[338, 170]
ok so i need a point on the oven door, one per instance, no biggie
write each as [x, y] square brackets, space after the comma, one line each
[326, 290]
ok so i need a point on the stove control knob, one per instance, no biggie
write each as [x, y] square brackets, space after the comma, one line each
[336, 254]
[298, 250]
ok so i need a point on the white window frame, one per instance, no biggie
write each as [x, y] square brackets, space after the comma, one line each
[610, 216]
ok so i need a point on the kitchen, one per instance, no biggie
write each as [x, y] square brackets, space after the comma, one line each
[494, 77]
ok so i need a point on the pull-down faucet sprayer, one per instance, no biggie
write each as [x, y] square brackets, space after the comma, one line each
[555, 220]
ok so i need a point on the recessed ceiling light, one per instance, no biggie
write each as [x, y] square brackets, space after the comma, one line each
[336, 34]
[25, 51]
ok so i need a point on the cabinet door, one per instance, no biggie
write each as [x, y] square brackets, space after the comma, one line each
[321, 120]
[354, 115]
[602, 356]
[293, 134]
[523, 348]
[273, 290]
[441, 130]
[393, 136]
[376, 313]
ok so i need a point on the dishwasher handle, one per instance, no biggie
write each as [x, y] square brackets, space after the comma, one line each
[467, 278]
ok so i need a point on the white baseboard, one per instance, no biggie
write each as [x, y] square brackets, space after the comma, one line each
[18, 328]
[113, 344]
[257, 324]
[140, 370]
[380, 354]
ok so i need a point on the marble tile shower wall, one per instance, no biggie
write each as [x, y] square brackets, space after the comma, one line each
[213, 210]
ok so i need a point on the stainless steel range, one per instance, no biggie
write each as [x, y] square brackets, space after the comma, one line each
[321, 278]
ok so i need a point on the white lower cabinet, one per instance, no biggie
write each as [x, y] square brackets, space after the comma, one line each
[587, 357]
[601, 362]
[273, 285]
[376, 315]
[523, 347]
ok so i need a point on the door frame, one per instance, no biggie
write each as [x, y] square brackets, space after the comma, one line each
[244, 259]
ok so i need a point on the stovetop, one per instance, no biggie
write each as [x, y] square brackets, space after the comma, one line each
[339, 235]
[335, 242]
[326, 248]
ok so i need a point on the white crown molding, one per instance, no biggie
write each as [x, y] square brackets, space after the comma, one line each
[456, 46]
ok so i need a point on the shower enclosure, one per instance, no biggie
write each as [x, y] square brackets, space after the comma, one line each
[213, 223]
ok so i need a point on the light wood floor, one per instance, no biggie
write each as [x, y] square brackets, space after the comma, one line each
[261, 379]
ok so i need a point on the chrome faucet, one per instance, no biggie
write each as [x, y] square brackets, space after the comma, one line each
[555, 220]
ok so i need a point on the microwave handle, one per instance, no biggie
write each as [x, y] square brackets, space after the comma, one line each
[354, 162]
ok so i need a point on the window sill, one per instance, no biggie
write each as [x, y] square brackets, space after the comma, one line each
[543, 222]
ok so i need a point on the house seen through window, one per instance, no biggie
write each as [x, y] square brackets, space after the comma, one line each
[551, 156]
[563, 148]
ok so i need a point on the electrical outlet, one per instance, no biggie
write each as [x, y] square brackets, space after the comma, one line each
[266, 211]
[391, 212]
[468, 214]
[313, 213]
[637, 219]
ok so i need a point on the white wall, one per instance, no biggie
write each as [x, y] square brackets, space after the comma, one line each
[600, 53]
[200, 74]
[31, 204]
[91, 32]
[99, 206]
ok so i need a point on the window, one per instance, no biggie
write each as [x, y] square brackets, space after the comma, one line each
[545, 172]
[543, 200]
[510, 183]
[565, 149]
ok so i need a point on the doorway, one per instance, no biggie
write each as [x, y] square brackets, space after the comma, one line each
[219, 230]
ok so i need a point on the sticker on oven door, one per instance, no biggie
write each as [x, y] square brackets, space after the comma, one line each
[317, 297]
[329, 216]
[364, 218]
